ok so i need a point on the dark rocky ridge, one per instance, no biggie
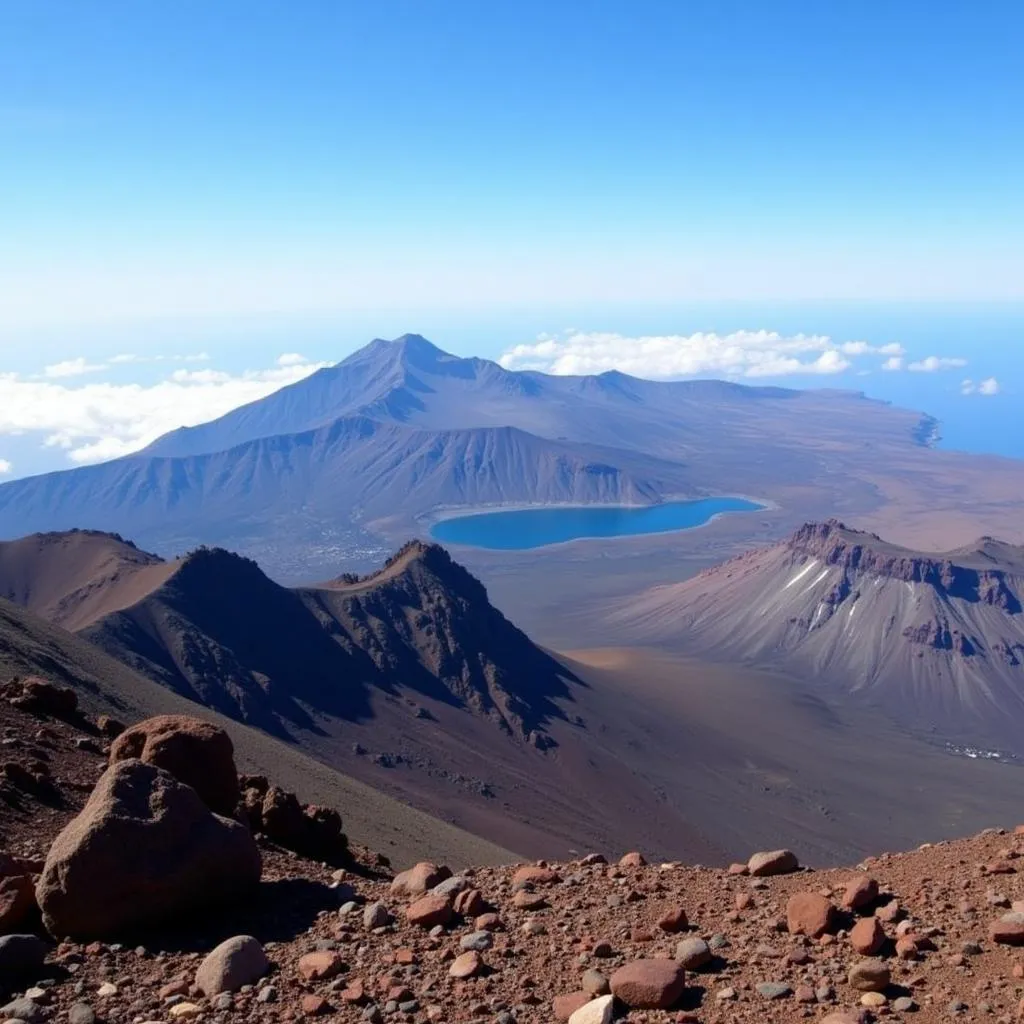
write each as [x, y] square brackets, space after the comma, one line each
[215, 629]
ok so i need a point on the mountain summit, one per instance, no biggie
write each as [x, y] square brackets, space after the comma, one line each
[350, 460]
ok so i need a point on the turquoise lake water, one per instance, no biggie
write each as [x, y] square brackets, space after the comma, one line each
[536, 527]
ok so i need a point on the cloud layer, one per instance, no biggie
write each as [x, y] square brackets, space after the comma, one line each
[93, 421]
[740, 354]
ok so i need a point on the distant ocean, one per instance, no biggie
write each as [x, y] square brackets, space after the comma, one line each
[989, 336]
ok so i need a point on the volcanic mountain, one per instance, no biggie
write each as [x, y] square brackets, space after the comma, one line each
[31, 646]
[212, 627]
[352, 457]
[937, 639]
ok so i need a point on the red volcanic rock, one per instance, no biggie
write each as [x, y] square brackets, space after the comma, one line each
[564, 1006]
[145, 848]
[466, 965]
[321, 965]
[429, 911]
[532, 875]
[649, 984]
[419, 879]
[673, 920]
[633, 859]
[195, 752]
[469, 903]
[867, 936]
[860, 892]
[809, 913]
[1008, 930]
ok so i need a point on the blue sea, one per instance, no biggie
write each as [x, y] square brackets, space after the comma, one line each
[523, 529]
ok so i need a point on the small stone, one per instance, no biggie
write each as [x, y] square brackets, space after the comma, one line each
[81, 1013]
[595, 983]
[429, 911]
[869, 976]
[564, 1006]
[693, 953]
[1008, 930]
[597, 1011]
[180, 1011]
[321, 965]
[774, 862]
[467, 965]
[673, 920]
[632, 860]
[24, 1010]
[375, 915]
[904, 1004]
[235, 962]
[726, 995]
[478, 941]
[867, 936]
[315, 1006]
[774, 990]
[106, 990]
[873, 1000]
[810, 914]
[860, 892]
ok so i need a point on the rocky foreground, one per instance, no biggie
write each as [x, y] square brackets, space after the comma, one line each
[152, 906]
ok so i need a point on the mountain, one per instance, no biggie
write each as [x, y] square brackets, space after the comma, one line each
[937, 639]
[214, 628]
[410, 681]
[30, 646]
[348, 462]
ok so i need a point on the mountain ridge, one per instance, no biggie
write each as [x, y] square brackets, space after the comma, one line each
[936, 638]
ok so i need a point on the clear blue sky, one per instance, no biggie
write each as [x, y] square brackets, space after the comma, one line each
[239, 157]
[249, 180]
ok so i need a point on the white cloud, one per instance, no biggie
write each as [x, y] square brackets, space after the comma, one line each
[5, 467]
[893, 363]
[740, 354]
[988, 386]
[72, 368]
[933, 364]
[291, 359]
[100, 420]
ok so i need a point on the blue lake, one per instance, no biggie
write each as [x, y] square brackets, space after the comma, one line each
[522, 529]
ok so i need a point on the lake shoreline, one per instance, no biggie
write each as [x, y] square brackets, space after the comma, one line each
[438, 517]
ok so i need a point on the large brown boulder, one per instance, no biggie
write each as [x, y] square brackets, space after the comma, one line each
[144, 849]
[649, 984]
[195, 752]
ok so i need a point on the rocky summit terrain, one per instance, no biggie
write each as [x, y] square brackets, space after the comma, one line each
[143, 880]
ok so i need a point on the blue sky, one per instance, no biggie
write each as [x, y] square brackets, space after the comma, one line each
[247, 180]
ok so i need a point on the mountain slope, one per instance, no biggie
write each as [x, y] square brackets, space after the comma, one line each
[31, 646]
[75, 577]
[938, 639]
[215, 629]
